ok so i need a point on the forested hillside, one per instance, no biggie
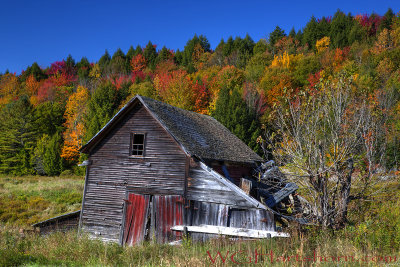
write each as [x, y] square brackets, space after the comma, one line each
[345, 67]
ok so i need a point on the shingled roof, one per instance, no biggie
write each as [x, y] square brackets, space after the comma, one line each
[199, 135]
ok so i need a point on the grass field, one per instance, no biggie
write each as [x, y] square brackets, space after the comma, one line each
[372, 237]
[30, 199]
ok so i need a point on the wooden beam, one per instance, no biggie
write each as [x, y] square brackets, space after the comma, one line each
[231, 231]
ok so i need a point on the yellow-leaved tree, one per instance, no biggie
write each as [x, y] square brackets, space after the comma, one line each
[322, 44]
[73, 135]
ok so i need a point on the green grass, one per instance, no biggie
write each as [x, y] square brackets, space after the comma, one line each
[69, 249]
[371, 238]
[30, 199]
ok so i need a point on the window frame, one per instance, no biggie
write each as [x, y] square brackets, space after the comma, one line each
[132, 135]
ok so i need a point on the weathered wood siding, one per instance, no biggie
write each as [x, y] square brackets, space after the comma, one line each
[204, 213]
[257, 219]
[112, 171]
[213, 203]
[61, 223]
[202, 186]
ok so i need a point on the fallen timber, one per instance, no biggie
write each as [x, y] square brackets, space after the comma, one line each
[230, 231]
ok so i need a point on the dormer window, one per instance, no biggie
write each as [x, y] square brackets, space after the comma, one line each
[137, 144]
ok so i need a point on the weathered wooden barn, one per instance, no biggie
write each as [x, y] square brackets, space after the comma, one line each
[154, 167]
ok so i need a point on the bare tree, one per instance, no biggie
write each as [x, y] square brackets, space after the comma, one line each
[331, 142]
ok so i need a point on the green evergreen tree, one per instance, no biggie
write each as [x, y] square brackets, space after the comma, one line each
[17, 137]
[244, 50]
[220, 46]
[48, 118]
[188, 50]
[130, 53]
[70, 62]
[138, 50]
[341, 26]
[178, 58]
[83, 68]
[34, 70]
[104, 62]
[102, 105]
[150, 54]
[387, 20]
[292, 33]
[228, 47]
[163, 55]
[46, 157]
[260, 47]
[118, 62]
[276, 35]
[299, 36]
[129, 56]
[233, 113]
[310, 33]
[323, 28]
[356, 34]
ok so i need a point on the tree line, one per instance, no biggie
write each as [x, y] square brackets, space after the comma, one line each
[268, 93]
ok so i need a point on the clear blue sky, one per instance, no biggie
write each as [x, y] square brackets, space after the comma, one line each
[47, 31]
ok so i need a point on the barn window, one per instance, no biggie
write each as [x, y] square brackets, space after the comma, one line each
[137, 144]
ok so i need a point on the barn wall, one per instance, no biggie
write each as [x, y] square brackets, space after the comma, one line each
[213, 203]
[112, 171]
[202, 186]
[206, 213]
[201, 213]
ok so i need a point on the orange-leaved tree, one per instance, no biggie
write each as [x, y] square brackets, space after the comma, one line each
[73, 135]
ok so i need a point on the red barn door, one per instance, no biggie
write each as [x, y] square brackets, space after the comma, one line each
[136, 217]
[152, 216]
[168, 212]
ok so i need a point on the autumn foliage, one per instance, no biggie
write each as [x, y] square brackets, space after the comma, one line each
[260, 75]
[73, 135]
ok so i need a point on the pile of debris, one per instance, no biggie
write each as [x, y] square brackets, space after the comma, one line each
[275, 191]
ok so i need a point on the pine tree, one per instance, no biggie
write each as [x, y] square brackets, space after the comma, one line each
[387, 20]
[129, 56]
[46, 157]
[260, 47]
[341, 26]
[233, 113]
[48, 118]
[138, 50]
[104, 63]
[292, 33]
[228, 47]
[83, 68]
[150, 54]
[189, 49]
[34, 70]
[101, 107]
[164, 55]
[118, 62]
[274, 36]
[17, 137]
[310, 33]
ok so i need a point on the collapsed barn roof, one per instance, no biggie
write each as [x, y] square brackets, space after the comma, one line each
[199, 135]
